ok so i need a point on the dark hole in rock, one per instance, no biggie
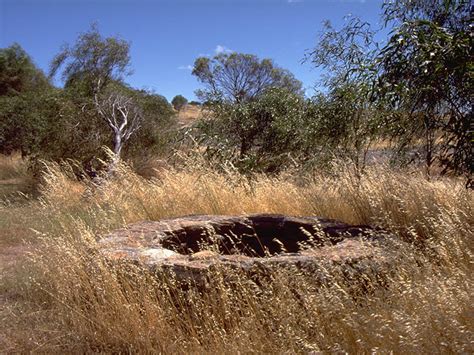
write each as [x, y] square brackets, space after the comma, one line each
[242, 242]
[257, 236]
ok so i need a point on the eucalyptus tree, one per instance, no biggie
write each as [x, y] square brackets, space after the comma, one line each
[251, 102]
[93, 66]
[122, 115]
[178, 102]
[263, 134]
[427, 70]
[238, 77]
[420, 81]
[92, 61]
[18, 73]
[348, 119]
[22, 119]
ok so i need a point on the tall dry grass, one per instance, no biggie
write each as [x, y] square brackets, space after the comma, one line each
[12, 166]
[78, 302]
[15, 179]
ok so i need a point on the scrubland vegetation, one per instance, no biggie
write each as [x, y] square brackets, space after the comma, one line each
[387, 143]
[66, 297]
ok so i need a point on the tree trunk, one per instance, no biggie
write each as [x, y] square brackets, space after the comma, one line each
[244, 148]
[429, 144]
[117, 151]
[117, 144]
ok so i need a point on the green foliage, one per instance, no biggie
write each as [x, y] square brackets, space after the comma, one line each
[238, 77]
[57, 124]
[426, 69]
[22, 87]
[93, 61]
[416, 87]
[346, 119]
[347, 55]
[158, 128]
[261, 134]
[94, 67]
[178, 102]
[346, 123]
[14, 128]
[88, 133]
[18, 73]
[39, 124]
[257, 111]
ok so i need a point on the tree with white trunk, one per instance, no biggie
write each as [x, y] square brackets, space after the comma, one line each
[122, 115]
[94, 64]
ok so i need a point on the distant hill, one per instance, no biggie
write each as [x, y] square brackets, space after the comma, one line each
[189, 114]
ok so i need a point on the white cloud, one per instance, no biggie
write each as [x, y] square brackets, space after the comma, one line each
[222, 49]
[218, 50]
[185, 67]
[294, 1]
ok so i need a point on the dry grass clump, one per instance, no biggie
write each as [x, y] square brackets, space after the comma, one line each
[12, 166]
[15, 179]
[81, 302]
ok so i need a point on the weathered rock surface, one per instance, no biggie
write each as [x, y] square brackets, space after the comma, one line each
[192, 245]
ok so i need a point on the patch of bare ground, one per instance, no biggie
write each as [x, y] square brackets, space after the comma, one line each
[189, 114]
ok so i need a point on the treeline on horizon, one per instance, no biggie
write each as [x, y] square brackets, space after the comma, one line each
[413, 91]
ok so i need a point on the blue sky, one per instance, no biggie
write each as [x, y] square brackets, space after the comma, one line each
[167, 36]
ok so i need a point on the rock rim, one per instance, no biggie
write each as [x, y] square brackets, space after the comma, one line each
[190, 246]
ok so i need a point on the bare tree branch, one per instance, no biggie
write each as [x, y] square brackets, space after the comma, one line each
[121, 115]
